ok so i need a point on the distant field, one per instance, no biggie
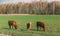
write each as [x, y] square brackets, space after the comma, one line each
[52, 25]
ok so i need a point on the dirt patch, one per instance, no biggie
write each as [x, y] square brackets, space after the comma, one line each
[12, 14]
[4, 34]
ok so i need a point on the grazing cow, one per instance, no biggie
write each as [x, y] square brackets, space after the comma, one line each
[40, 25]
[28, 26]
[12, 24]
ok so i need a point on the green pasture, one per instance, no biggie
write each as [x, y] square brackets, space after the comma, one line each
[52, 25]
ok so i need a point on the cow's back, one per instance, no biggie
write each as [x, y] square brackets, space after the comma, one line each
[11, 22]
[40, 24]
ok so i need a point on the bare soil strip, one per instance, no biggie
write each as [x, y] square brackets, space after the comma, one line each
[12, 14]
[4, 34]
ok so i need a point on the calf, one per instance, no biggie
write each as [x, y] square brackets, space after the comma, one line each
[40, 25]
[12, 24]
[28, 26]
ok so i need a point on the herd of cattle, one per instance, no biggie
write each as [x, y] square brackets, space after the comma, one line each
[39, 25]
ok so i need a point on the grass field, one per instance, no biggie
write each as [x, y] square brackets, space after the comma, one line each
[52, 25]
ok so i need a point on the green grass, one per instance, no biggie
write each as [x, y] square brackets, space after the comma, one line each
[52, 25]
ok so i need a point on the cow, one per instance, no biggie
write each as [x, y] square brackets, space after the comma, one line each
[29, 26]
[40, 25]
[12, 24]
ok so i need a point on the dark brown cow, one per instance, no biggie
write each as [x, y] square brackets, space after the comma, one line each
[40, 25]
[28, 26]
[12, 24]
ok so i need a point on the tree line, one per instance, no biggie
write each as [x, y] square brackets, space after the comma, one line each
[31, 8]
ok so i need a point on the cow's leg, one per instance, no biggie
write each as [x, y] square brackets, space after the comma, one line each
[38, 28]
[10, 26]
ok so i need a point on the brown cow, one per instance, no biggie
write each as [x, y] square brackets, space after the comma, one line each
[12, 24]
[40, 25]
[28, 26]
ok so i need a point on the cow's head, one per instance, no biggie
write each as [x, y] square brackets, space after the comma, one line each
[16, 26]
